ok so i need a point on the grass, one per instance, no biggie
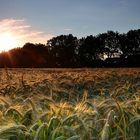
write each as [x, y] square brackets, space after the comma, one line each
[88, 104]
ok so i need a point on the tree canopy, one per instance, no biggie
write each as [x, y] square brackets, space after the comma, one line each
[110, 49]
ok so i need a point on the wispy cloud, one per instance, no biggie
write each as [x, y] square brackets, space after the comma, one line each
[68, 29]
[23, 32]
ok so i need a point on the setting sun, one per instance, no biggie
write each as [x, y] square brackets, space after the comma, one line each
[7, 41]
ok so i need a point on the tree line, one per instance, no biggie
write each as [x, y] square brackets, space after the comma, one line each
[110, 49]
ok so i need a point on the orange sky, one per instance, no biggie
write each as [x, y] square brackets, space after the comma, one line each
[16, 32]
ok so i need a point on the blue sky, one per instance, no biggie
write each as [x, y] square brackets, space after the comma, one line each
[79, 17]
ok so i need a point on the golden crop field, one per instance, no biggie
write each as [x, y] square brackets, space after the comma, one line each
[70, 104]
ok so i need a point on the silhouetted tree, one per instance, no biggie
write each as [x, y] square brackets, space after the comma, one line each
[63, 50]
[68, 51]
[133, 38]
[112, 44]
[90, 51]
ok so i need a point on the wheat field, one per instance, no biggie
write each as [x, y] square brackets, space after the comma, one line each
[70, 104]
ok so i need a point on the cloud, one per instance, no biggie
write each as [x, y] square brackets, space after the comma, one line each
[23, 32]
[68, 29]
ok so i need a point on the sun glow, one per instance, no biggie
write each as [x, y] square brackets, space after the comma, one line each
[7, 41]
